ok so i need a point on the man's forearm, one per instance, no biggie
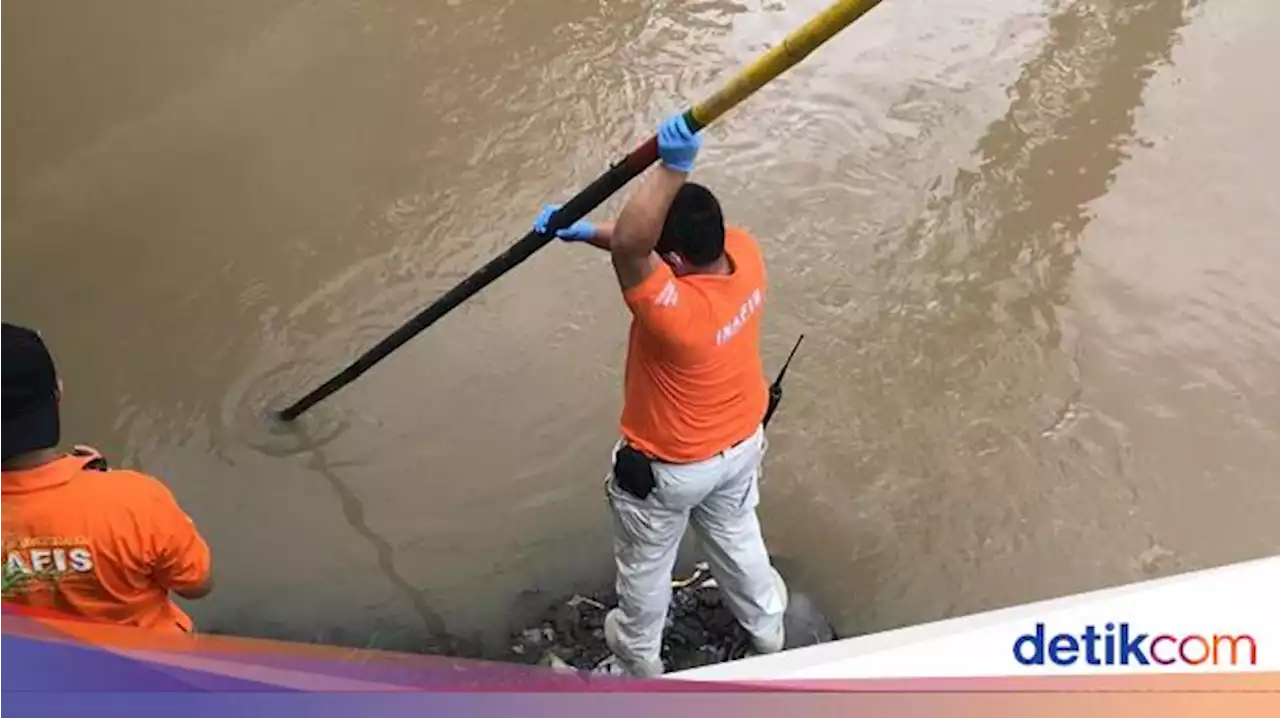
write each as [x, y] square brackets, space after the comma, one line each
[639, 226]
[603, 236]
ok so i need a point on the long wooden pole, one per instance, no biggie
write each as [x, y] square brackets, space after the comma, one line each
[798, 45]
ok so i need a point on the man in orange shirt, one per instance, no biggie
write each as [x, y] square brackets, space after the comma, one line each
[80, 538]
[695, 396]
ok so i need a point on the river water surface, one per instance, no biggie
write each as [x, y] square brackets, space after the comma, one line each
[1032, 245]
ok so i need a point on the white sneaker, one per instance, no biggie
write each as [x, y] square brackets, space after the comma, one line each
[639, 669]
[610, 666]
[773, 644]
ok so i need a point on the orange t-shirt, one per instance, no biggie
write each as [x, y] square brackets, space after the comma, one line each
[103, 545]
[695, 383]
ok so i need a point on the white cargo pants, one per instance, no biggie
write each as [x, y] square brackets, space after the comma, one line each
[720, 496]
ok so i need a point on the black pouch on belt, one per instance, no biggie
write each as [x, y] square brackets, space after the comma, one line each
[633, 472]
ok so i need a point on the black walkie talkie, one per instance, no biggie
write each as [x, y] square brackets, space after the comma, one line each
[775, 389]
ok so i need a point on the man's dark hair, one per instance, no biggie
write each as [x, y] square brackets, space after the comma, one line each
[694, 227]
[31, 419]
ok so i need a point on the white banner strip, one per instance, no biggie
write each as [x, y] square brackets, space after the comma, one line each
[1219, 620]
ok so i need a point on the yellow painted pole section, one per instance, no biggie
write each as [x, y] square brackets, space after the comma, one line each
[797, 46]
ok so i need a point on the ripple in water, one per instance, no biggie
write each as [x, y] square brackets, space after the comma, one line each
[249, 410]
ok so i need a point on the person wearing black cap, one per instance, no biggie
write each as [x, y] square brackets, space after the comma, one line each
[79, 538]
[32, 426]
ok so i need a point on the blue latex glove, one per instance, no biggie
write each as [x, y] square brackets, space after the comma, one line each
[677, 145]
[580, 231]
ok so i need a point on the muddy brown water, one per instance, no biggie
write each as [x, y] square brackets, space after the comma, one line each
[1033, 246]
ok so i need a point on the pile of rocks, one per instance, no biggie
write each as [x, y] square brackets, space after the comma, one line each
[701, 629]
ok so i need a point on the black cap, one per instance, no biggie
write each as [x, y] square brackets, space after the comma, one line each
[30, 393]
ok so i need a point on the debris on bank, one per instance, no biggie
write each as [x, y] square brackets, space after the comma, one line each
[700, 630]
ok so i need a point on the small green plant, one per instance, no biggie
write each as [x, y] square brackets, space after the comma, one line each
[17, 581]
[13, 582]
